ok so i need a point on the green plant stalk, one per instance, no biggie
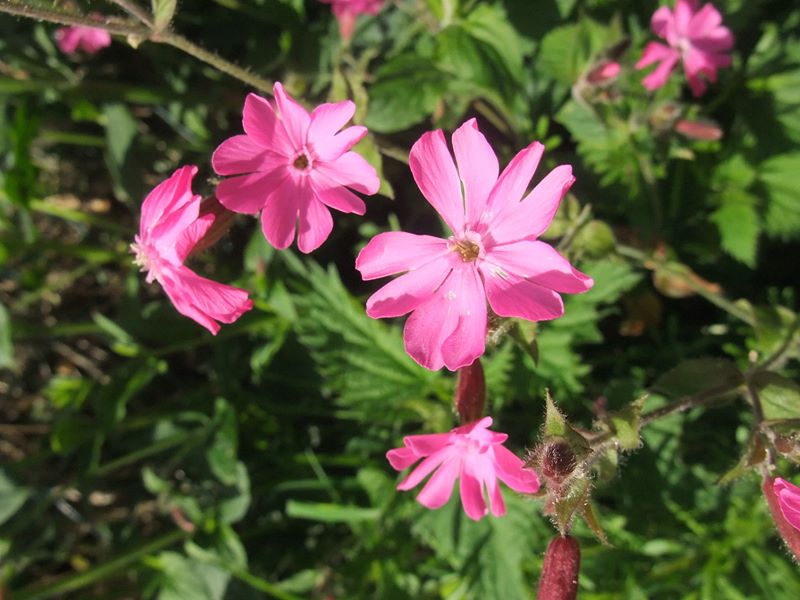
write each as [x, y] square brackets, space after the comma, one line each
[77, 216]
[115, 27]
[155, 448]
[98, 573]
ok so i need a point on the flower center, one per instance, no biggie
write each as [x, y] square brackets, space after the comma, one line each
[302, 162]
[468, 246]
[143, 259]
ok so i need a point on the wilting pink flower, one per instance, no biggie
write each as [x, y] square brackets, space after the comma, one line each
[347, 11]
[292, 166]
[789, 500]
[697, 37]
[171, 226]
[87, 39]
[493, 252]
[470, 452]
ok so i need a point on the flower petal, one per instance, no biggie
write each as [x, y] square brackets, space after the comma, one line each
[424, 469]
[512, 296]
[167, 197]
[241, 154]
[439, 488]
[335, 195]
[351, 170]
[531, 217]
[511, 470]
[203, 300]
[279, 217]
[431, 324]
[426, 444]
[249, 193]
[262, 125]
[189, 237]
[477, 167]
[294, 117]
[514, 180]
[540, 263]
[472, 495]
[402, 458]
[663, 24]
[468, 341]
[408, 291]
[315, 224]
[437, 178]
[656, 52]
[392, 252]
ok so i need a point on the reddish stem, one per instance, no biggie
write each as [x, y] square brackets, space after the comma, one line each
[470, 392]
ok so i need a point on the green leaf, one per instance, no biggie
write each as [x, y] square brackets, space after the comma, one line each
[330, 513]
[779, 176]
[406, 90]
[780, 397]
[12, 497]
[625, 424]
[368, 148]
[221, 454]
[163, 11]
[698, 375]
[6, 346]
[738, 224]
[182, 578]
[121, 130]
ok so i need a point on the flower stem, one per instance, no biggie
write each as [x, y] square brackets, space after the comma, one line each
[114, 26]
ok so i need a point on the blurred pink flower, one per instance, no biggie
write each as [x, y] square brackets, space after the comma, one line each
[699, 130]
[604, 72]
[87, 39]
[347, 11]
[292, 166]
[470, 452]
[789, 500]
[170, 228]
[697, 37]
[493, 252]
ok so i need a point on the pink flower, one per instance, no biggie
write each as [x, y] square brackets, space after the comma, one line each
[170, 228]
[789, 501]
[87, 39]
[470, 452]
[292, 166]
[493, 253]
[697, 37]
[604, 72]
[347, 11]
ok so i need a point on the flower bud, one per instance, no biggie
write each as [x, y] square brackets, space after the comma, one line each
[790, 535]
[604, 72]
[223, 219]
[470, 392]
[699, 130]
[562, 562]
[557, 460]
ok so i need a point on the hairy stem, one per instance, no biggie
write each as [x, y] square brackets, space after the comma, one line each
[114, 26]
[135, 11]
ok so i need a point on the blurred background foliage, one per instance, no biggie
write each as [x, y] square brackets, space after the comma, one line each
[142, 457]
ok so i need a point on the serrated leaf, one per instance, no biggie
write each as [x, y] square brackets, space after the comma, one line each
[739, 226]
[779, 176]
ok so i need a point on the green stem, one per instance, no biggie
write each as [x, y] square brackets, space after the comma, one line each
[142, 453]
[134, 10]
[77, 216]
[98, 573]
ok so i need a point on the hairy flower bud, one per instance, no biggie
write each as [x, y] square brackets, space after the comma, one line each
[557, 460]
[562, 562]
[470, 392]
[699, 130]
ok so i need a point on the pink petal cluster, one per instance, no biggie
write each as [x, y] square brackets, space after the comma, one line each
[87, 39]
[493, 253]
[171, 226]
[696, 37]
[292, 166]
[789, 500]
[470, 452]
[347, 11]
